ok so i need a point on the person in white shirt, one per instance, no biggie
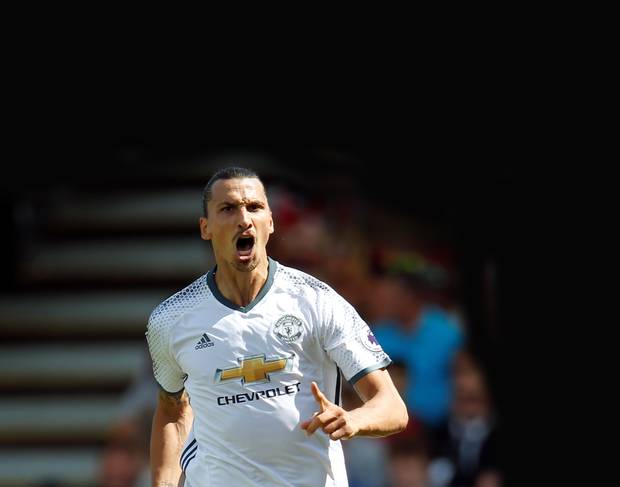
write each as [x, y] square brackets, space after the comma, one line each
[249, 358]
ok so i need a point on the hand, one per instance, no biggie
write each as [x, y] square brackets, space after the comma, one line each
[332, 419]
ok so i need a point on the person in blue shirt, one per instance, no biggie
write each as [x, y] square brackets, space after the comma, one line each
[427, 339]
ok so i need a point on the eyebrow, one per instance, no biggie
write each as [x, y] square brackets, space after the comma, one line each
[257, 202]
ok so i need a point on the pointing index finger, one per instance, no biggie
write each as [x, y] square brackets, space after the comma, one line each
[319, 396]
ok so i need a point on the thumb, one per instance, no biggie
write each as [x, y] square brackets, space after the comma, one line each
[319, 396]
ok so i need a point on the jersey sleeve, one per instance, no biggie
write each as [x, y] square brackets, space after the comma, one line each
[348, 340]
[166, 370]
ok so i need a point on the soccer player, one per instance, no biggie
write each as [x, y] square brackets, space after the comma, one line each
[249, 358]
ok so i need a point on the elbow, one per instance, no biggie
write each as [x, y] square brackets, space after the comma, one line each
[400, 415]
[404, 420]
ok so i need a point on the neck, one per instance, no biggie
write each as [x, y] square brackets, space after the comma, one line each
[241, 287]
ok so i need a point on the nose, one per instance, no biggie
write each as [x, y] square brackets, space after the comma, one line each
[245, 221]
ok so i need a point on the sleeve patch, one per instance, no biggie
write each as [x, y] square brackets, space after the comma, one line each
[367, 338]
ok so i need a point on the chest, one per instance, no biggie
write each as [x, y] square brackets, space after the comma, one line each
[246, 348]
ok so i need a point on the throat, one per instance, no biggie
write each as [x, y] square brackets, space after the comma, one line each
[240, 288]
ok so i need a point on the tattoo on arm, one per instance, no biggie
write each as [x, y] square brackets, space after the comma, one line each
[173, 402]
[175, 399]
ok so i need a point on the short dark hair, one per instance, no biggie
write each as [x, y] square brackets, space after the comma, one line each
[233, 172]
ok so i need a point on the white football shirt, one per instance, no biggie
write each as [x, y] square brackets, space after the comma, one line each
[247, 371]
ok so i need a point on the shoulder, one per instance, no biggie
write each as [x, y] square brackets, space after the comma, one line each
[298, 281]
[318, 294]
[169, 310]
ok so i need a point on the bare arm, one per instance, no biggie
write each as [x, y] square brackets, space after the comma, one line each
[172, 422]
[382, 414]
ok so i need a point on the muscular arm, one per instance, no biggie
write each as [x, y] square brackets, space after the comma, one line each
[172, 422]
[382, 414]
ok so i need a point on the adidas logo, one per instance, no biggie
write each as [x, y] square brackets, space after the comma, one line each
[204, 342]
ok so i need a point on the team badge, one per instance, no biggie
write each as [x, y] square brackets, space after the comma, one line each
[288, 328]
[367, 337]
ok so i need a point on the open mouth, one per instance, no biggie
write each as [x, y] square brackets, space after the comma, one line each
[245, 246]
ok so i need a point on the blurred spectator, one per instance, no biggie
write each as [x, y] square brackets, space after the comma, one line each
[489, 478]
[399, 374]
[466, 446]
[140, 398]
[367, 461]
[426, 338]
[124, 458]
[408, 463]
[301, 238]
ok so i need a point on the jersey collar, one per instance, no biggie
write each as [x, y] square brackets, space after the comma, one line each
[264, 290]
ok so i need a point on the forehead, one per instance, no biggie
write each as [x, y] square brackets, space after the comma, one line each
[237, 189]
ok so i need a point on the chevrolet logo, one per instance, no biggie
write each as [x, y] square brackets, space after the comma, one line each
[254, 369]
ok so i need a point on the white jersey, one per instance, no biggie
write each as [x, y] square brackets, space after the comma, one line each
[247, 371]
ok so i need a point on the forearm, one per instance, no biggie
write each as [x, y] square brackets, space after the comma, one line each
[383, 415]
[378, 420]
[168, 436]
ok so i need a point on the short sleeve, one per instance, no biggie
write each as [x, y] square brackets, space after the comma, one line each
[348, 340]
[166, 370]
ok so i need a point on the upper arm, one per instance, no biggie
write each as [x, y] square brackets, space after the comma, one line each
[384, 412]
[376, 383]
[173, 405]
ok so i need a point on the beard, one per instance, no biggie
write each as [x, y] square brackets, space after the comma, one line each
[246, 267]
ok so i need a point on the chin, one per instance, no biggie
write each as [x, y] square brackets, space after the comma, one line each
[248, 266]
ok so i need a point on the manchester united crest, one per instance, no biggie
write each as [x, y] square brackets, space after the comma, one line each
[288, 328]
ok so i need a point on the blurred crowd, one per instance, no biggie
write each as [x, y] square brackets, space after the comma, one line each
[405, 285]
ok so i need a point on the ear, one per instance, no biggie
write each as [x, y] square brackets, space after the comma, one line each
[271, 227]
[205, 234]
